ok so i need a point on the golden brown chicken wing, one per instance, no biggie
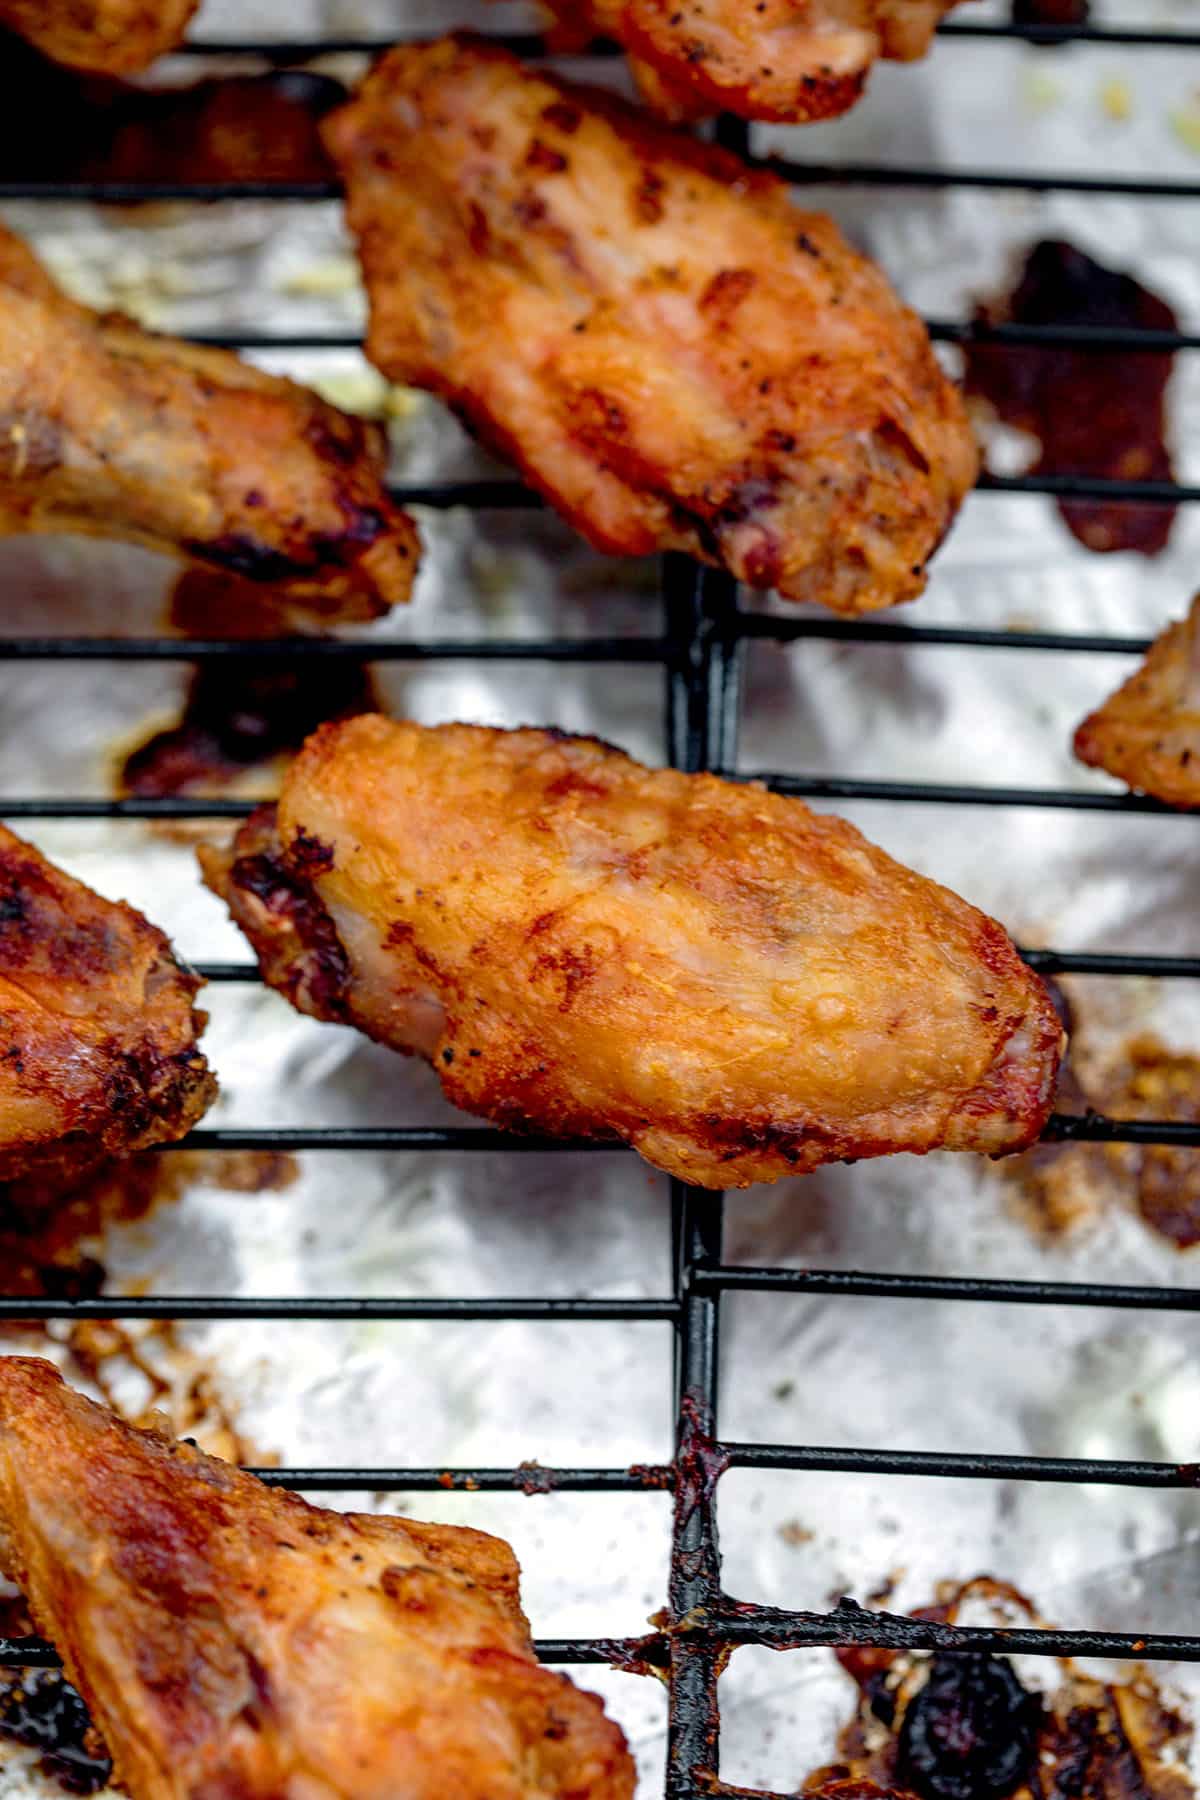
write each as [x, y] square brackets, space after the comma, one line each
[735, 986]
[98, 1033]
[672, 352]
[789, 60]
[108, 37]
[232, 1640]
[1147, 734]
[113, 431]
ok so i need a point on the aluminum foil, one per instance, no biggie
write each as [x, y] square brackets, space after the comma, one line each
[883, 1373]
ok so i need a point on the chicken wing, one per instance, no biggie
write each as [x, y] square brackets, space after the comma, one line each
[673, 354]
[98, 1033]
[106, 37]
[788, 60]
[1147, 734]
[231, 1639]
[113, 431]
[737, 987]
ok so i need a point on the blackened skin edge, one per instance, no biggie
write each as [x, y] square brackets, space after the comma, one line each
[971, 1732]
[43, 1711]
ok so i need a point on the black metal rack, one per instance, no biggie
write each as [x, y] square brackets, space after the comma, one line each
[699, 651]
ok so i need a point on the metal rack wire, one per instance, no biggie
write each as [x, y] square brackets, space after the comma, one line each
[699, 651]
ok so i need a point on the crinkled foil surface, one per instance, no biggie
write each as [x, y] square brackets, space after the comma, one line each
[806, 1371]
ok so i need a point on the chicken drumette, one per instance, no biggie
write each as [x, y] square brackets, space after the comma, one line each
[672, 352]
[1148, 732]
[106, 37]
[788, 60]
[98, 1052]
[734, 985]
[231, 1639]
[113, 431]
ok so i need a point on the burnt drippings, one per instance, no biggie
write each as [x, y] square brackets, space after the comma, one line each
[1050, 12]
[963, 1726]
[699, 1465]
[54, 1234]
[42, 1711]
[59, 125]
[240, 715]
[1064, 1187]
[971, 1732]
[1094, 413]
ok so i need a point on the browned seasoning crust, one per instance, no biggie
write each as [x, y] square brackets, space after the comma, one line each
[98, 1032]
[737, 987]
[668, 349]
[230, 1639]
[112, 431]
[792, 61]
[106, 37]
[1147, 734]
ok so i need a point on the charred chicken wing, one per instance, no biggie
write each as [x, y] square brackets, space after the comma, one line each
[113, 431]
[107, 37]
[673, 354]
[1147, 734]
[788, 60]
[231, 1639]
[732, 984]
[98, 1033]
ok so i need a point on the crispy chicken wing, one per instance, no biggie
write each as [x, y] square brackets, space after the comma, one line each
[113, 431]
[789, 60]
[672, 353]
[734, 985]
[232, 1640]
[108, 37]
[1147, 734]
[98, 1033]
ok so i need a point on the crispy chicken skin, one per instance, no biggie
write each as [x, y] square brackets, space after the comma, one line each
[105, 37]
[788, 60]
[737, 987]
[671, 352]
[112, 431]
[232, 1640]
[1147, 734]
[98, 1032]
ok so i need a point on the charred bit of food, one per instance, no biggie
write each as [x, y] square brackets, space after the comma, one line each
[98, 1032]
[1147, 734]
[792, 61]
[736, 986]
[230, 1638]
[672, 353]
[112, 431]
[1093, 415]
[58, 125]
[962, 1727]
[107, 37]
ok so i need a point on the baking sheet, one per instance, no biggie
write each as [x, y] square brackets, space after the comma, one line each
[891, 1374]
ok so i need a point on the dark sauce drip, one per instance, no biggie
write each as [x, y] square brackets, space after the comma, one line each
[971, 1732]
[1093, 413]
[40, 1709]
[58, 125]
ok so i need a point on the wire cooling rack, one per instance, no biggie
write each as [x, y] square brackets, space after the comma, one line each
[699, 652]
